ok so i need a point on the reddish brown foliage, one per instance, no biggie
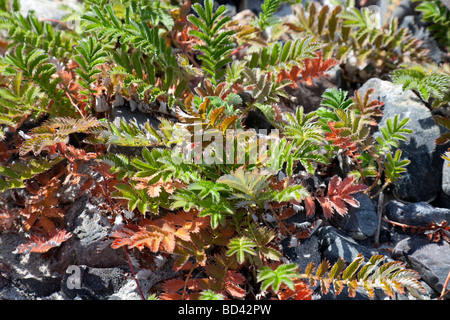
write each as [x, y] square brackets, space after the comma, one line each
[349, 147]
[301, 291]
[43, 244]
[314, 68]
[339, 195]
[159, 235]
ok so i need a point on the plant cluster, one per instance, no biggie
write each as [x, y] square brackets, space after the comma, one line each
[358, 39]
[219, 206]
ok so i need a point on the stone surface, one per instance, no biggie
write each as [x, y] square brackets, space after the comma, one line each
[431, 260]
[334, 244]
[305, 252]
[446, 177]
[416, 214]
[422, 181]
[361, 223]
[87, 246]
[49, 9]
[147, 279]
[24, 276]
[94, 283]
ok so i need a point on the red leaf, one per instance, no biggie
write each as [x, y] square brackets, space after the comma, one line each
[340, 193]
[232, 281]
[170, 296]
[172, 285]
[43, 244]
[310, 206]
[235, 291]
[301, 291]
[344, 143]
[156, 238]
[316, 67]
[235, 277]
[326, 206]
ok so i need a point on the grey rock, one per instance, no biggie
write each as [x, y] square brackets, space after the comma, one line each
[39, 287]
[416, 214]
[24, 276]
[49, 9]
[446, 3]
[94, 283]
[253, 5]
[304, 253]
[443, 199]
[446, 177]
[422, 181]
[405, 8]
[334, 244]
[361, 223]
[88, 245]
[430, 259]
[70, 192]
[147, 279]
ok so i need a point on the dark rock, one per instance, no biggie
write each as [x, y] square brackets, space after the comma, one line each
[94, 283]
[125, 113]
[304, 253]
[361, 223]
[416, 214]
[253, 5]
[405, 8]
[27, 275]
[430, 259]
[334, 244]
[42, 287]
[344, 295]
[257, 120]
[87, 246]
[422, 181]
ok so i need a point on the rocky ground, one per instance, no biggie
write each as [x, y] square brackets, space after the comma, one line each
[85, 267]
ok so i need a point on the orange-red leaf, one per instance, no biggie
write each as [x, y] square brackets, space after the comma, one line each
[310, 206]
[301, 291]
[172, 285]
[316, 67]
[235, 291]
[43, 244]
[151, 236]
[340, 193]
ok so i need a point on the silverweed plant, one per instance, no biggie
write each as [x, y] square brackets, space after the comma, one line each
[204, 189]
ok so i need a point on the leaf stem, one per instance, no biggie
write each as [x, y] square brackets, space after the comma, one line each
[443, 292]
[132, 272]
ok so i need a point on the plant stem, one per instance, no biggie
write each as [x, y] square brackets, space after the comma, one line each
[379, 215]
[132, 272]
[443, 292]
